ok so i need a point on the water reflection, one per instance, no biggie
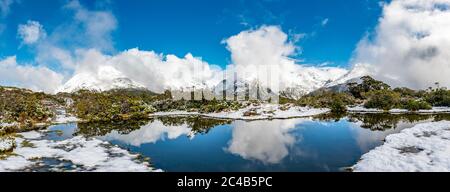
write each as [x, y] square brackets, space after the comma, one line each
[150, 133]
[137, 133]
[324, 143]
[382, 121]
[266, 141]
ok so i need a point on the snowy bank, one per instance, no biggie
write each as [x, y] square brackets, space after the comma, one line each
[259, 112]
[6, 144]
[425, 148]
[62, 117]
[361, 109]
[75, 154]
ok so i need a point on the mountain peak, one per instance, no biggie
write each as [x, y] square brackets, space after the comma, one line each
[87, 81]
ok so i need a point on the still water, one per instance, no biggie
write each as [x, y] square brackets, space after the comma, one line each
[197, 144]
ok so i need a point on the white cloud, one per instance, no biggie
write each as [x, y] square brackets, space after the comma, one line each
[31, 32]
[253, 50]
[410, 45]
[37, 78]
[155, 71]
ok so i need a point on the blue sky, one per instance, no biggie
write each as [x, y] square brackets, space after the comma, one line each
[330, 29]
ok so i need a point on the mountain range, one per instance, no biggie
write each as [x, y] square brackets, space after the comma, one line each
[304, 81]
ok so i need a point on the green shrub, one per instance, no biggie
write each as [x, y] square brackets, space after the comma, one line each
[338, 106]
[327, 99]
[439, 97]
[368, 84]
[414, 105]
[382, 99]
[25, 106]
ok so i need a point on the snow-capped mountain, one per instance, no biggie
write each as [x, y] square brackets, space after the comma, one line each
[242, 88]
[88, 82]
[312, 78]
[298, 83]
[294, 84]
[354, 74]
[106, 79]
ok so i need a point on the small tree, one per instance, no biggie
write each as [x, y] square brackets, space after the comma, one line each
[382, 99]
[338, 106]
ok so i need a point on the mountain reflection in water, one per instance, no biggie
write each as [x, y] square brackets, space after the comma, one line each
[323, 143]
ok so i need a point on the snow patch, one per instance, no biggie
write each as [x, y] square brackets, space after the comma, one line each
[62, 117]
[6, 144]
[31, 135]
[361, 109]
[2, 124]
[264, 111]
[425, 148]
[82, 153]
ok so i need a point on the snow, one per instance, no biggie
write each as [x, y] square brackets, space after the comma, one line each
[264, 111]
[6, 144]
[423, 111]
[85, 155]
[31, 135]
[436, 110]
[361, 109]
[8, 124]
[62, 117]
[423, 148]
[308, 79]
[105, 79]
[175, 113]
[359, 70]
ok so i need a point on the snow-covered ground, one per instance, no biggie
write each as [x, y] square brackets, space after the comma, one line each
[8, 124]
[425, 148]
[62, 117]
[273, 111]
[264, 111]
[75, 154]
[361, 109]
[6, 144]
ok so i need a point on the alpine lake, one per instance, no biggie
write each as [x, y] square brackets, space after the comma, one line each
[192, 144]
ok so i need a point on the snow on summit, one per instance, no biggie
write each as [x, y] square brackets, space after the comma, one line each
[106, 79]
